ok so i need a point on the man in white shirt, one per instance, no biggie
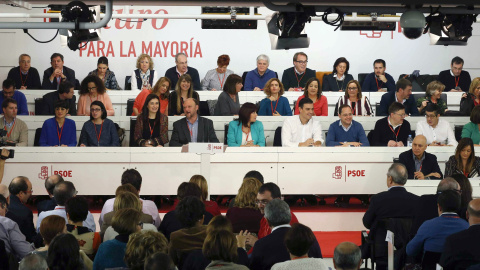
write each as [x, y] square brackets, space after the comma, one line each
[437, 131]
[301, 130]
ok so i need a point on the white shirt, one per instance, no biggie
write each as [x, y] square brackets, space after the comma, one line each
[133, 80]
[294, 132]
[246, 137]
[339, 79]
[443, 132]
[304, 264]
[60, 211]
[148, 207]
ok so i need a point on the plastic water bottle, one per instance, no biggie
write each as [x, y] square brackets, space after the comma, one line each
[409, 141]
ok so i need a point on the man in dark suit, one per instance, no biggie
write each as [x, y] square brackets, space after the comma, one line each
[64, 92]
[57, 73]
[402, 95]
[20, 191]
[50, 183]
[420, 164]
[271, 249]
[181, 67]
[192, 128]
[462, 249]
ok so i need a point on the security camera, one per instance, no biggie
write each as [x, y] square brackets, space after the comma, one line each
[412, 23]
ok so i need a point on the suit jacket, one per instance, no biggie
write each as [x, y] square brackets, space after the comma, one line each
[426, 209]
[387, 100]
[235, 133]
[46, 205]
[429, 164]
[181, 133]
[462, 249]
[23, 216]
[46, 84]
[271, 249]
[48, 105]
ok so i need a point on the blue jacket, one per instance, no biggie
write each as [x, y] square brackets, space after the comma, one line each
[49, 135]
[21, 102]
[370, 85]
[253, 79]
[234, 136]
[387, 100]
[283, 107]
[356, 133]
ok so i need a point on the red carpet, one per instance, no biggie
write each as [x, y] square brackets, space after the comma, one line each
[329, 240]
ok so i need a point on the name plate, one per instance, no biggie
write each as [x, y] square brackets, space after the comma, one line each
[205, 148]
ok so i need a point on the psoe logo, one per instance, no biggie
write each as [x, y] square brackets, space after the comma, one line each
[338, 172]
[43, 173]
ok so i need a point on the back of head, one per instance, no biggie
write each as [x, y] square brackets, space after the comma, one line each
[220, 245]
[159, 260]
[273, 188]
[65, 87]
[50, 227]
[63, 191]
[299, 239]
[255, 174]
[127, 200]
[473, 210]
[219, 223]
[125, 221]
[132, 176]
[141, 245]
[77, 209]
[52, 181]
[277, 212]
[449, 201]
[403, 83]
[448, 183]
[188, 190]
[399, 173]
[64, 253]
[201, 182]
[189, 211]
[125, 188]
[465, 187]
[33, 262]
[347, 256]
[18, 185]
[247, 194]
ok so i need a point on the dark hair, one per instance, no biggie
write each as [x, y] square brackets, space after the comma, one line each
[3, 201]
[223, 60]
[145, 111]
[55, 55]
[187, 189]
[273, 188]
[77, 209]
[380, 61]
[220, 245]
[403, 84]
[63, 191]
[307, 84]
[64, 253]
[475, 115]
[65, 87]
[395, 107]
[8, 101]
[341, 60]
[132, 176]
[231, 84]
[432, 107]
[295, 56]
[98, 83]
[8, 83]
[102, 107]
[189, 211]
[299, 239]
[304, 101]
[61, 104]
[244, 113]
[457, 60]
[449, 201]
[158, 84]
[255, 174]
[219, 223]
[178, 90]
[464, 142]
[466, 188]
[50, 227]
[102, 60]
[159, 260]
[342, 107]
[18, 185]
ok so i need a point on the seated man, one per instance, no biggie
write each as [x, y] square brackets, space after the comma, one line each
[9, 91]
[295, 78]
[181, 67]
[346, 131]
[455, 79]
[256, 79]
[393, 130]
[192, 128]
[20, 191]
[17, 130]
[402, 95]
[301, 130]
[378, 80]
[50, 184]
[57, 73]
[419, 163]
[432, 233]
[25, 76]
[438, 132]
[64, 92]
[347, 255]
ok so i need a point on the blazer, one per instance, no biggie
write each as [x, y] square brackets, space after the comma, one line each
[46, 205]
[235, 133]
[426, 209]
[387, 100]
[428, 166]
[181, 133]
[461, 249]
[46, 84]
[451, 167]
[23, 216]
[48, 104]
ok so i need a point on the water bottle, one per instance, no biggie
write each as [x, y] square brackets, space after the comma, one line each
[409, 141]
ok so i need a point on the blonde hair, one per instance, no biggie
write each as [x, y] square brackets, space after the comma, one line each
[201, 182]
[247, 193]
[434, 86]
[125, 221]
[267, 91]
[474, 85]
[141, 245]
[127, 200]
[140, 58]
[359, 94]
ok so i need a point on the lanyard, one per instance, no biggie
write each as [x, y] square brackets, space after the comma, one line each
[247, 133]
[97, 134]
[465, 173]
[221, 83]
[298, 81]
[21, 79]
[190, 129]
[59, 133]
[271, 105]
[378, 87]
[398, 131]
[151, 129]
[5, 127]
[456, 81]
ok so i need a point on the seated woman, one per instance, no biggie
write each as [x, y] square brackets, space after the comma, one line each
[274, 104]
[64, 253]
[353, 97]
[472, 98]
[433, 95]
[183, 90]
[105, 74]
[91, 89]
[160, 89]
[464, 161]
[220, 248]
[312, 91]
[337, 81]
[50, 227]
[471, 130]
[142, 245]
[215, 78]
[228, 103]
[244, 214]
[144, 77]
[99, 131]
[210, 206]
[151, 129]
[59, 131]
[246, 130]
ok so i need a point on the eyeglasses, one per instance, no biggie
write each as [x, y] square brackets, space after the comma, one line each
[302, 62]
[352, 88]
[29, 191]
[402, 115]
[91, 88]
[95, 109]
[262, 202]
[430, 116]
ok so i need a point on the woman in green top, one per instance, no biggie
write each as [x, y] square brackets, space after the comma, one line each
[471, 130]
[433, 95]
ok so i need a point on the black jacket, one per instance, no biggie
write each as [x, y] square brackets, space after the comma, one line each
[428, 166]
[462, 249]
[426, 209]
[48, 104]
[172, 74]
[46, 84]
[389, 98]
[382, 133]
[181, 133]
[23, 216]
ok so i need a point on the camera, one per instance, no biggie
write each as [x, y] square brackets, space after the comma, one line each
[11, 154]
[3, 142]
[412, 23]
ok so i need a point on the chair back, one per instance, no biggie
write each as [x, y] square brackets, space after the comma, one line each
[130, 103]
[361, 78]
[320, 75]
[244, 75]
[458, 132]
[225, 142]
[128, 83]
[38, 105]
[36, 141]
[277, 138]
[133, 122]
[430, 260]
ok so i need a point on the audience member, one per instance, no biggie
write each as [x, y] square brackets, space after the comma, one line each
[471, 130]
[296, 77]
[9, 92]
[433, 95]
[299, 240]
[214, 80]
[17, 130]
[256, 79]
[253, 173]
[393, 130]
[25, 76]
[471, 99]
[275, 103]
[159, 260]
[337, 81]
[57, 73]
[228, 103]
[466, 193]
[93, 89]
[181, 68]
[313, 92]
[105, 74]
[183, 91]
[403, 95]
[220, 247]
[438, 132]
[64, 253]
[455, 79]
[464, 161]
[379, 80]
[246, 127]
[20, 191]
[347, 256]
[302, 130]
[144, 77]
[91, 134]
[145, 134]
[353, 97]
[50, 227]
[33, 262]
[193, 128]
[141, 245]
[245, 215]
[346, 131]
[161, 89]
[64, 92]
[77, 213]
[210, 206]
[59, 130]
[419, 163]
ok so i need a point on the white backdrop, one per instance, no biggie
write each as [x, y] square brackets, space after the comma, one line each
[243, 46]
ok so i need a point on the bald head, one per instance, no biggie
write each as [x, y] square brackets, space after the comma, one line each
[473, 212]
[4, 191]
[419, 145]
[190, 108]
[51, 181]
[347, 256]
[448, 184]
